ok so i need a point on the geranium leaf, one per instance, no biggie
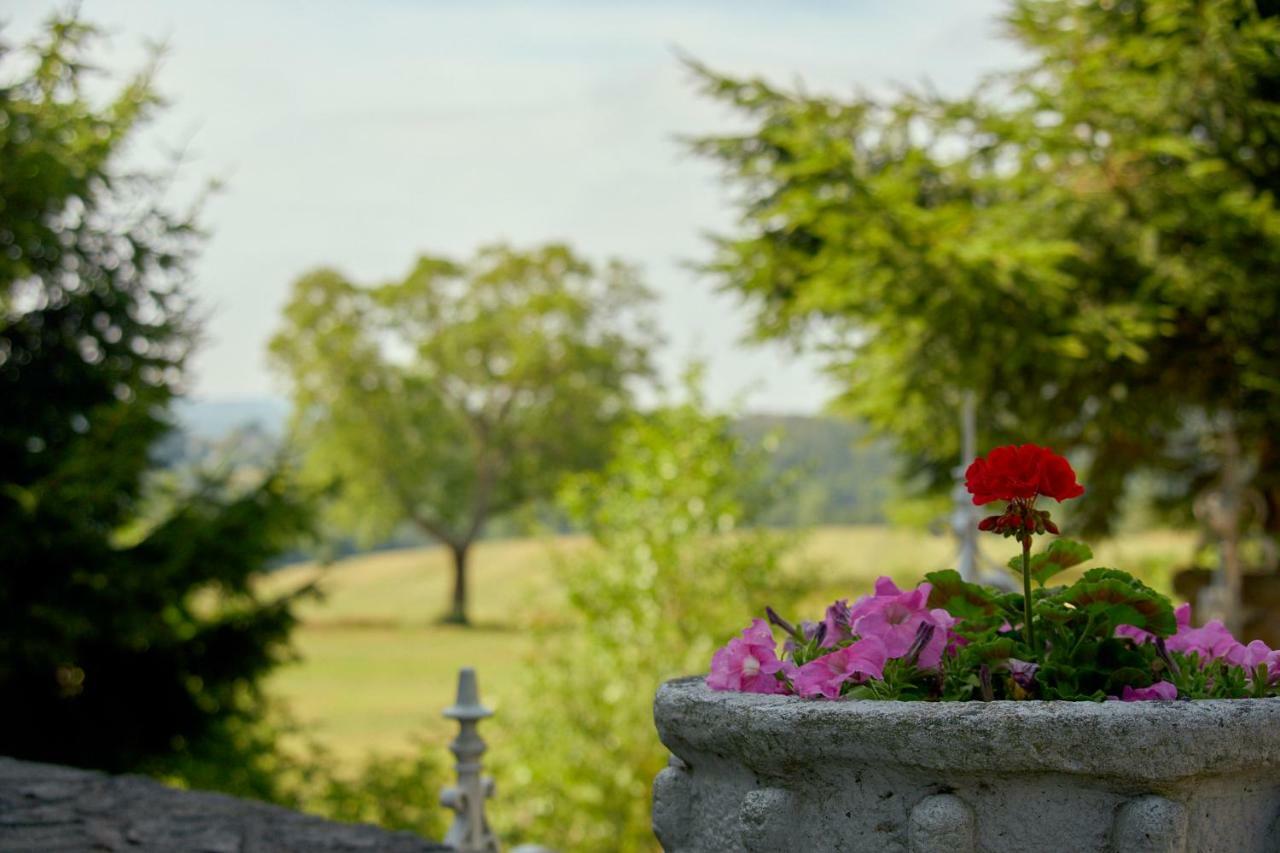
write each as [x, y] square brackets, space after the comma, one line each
[989, 651]
[1011, 604]
[1061, 555]
[963, 600]
[1109, 597]
[1131, 676]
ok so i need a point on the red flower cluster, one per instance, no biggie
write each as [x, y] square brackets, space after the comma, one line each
[1021, 472]
[1019, 520]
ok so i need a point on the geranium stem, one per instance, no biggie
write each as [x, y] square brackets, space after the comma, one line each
[1027, 630]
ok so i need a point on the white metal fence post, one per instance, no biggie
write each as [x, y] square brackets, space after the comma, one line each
[470, 832]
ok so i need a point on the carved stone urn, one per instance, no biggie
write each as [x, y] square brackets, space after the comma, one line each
[778, 773]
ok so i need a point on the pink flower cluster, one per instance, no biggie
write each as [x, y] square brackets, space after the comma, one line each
[1211, 641]
[888, 625]
[748, 663]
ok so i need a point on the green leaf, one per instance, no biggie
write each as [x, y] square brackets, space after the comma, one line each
[1131, 676]
[1061, 555]
[1107, 598]
[963, 600]
[990, 651]
[1010, 603]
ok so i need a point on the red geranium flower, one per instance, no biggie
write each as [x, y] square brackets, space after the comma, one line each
[1021, 472]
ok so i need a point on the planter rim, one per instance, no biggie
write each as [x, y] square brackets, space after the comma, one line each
[1140, 741]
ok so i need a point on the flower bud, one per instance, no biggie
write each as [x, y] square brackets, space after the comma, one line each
[923, 635]
[782, 623]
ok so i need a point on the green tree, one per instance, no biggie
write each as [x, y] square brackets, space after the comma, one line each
[130, 637]
[464, 391]
[1089, 244]
[677, 572]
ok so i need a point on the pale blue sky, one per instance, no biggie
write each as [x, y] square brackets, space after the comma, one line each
[358, 134]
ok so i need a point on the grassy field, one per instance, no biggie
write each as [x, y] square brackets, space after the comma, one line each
[375, 669]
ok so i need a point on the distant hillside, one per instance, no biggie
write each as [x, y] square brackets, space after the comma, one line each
[213, 420]
[841, 476]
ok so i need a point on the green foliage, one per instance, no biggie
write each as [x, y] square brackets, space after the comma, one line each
[1078, 653]
[131, 639]
[1109, 598]
[970, 602]
[675, 573]
[398, 792]
[1216, 679]
[1061, 555]
[1082, 657]
[841, 475]
[463, 391]
[1089, 243]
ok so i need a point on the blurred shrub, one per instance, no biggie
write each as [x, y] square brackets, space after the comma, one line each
[274, 760]
[392, 791]
[676, 576]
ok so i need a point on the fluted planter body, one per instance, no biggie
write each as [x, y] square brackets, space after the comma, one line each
[778, 773]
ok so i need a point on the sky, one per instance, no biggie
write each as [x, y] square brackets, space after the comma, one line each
[360, 134]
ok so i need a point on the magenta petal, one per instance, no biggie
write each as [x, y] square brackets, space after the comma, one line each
[747, 663]
[1247, 656]
[1210, 642]
[825, 676]
[1133, 633]
[1160, 691]
[895, 618]
[885, 587]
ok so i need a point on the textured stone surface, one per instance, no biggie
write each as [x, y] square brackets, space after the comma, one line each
[942, 823]
[1151, 825]
[764, 819]
[1062, 776]
[671, 804]
[48, 808]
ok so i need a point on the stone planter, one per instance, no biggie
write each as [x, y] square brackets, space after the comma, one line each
[778, 773]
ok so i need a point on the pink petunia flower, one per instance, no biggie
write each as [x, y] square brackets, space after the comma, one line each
[885, 590]
[1160, 691]
[1256, 654]
[1273, 666]
[1023, 672]
[838, 623]
[1248, 656]
[825, 676]
[895, 617]
[1210, 641]
[747, 664]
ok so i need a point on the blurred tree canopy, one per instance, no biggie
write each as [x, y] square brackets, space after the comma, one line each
[681, 566]
[463, 391]
[1090, 244]
[130, 638]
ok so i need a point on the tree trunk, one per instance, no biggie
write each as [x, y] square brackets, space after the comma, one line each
[458, 609]
[1269, 482]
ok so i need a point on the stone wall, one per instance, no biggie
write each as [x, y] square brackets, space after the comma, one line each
[49, 808]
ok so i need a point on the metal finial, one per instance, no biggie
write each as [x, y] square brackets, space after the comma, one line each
[467, 706]
[470, 832]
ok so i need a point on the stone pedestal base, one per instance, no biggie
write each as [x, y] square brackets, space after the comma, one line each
[778, 773]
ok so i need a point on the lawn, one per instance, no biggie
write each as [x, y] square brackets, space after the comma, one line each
[375, 668]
